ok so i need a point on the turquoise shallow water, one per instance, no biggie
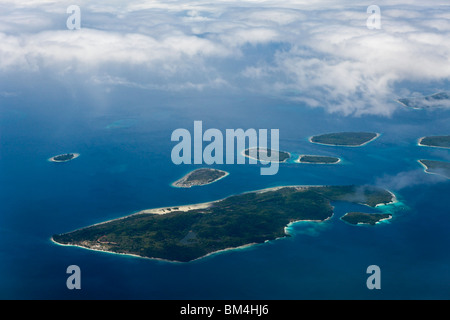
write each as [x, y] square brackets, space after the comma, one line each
[124, 166]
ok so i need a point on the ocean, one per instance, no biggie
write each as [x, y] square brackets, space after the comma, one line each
[123, 138]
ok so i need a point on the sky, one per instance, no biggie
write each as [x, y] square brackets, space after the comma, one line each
[319, 53]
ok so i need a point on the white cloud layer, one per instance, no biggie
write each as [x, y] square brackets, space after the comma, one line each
[319, 53]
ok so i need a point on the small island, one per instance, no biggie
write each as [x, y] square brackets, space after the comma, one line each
[189, 232]
[435, 141]
[345, 139]
[200, 177]
[64, 157]
[436, 167]
[356, 218]
[264, 154]
[436, 100]
[317, 159]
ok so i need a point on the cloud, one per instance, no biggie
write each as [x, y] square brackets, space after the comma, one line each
[89, 47]
[319, 53]
[408, 179]
[118, 81]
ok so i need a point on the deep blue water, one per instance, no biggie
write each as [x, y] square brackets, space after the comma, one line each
[125, 166]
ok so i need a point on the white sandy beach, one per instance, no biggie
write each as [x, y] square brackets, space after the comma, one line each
[365, 223]
[425, 169]
[111, 252]
[378, 222]
[394, 200]
[184, 208]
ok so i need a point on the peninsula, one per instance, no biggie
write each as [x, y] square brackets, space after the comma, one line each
[436, 167]
[200, 177]
[190, 232]
[317, 159]
[346, 139]
[435, 141]
[64, 157]
[264, 154]
[356, 218]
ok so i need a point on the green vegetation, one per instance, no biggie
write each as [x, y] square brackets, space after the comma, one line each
[436, 100]
[318, 159]
[200, 177]
[64, 157]
[364, 218]
[352, 139]
[265, 154]
[436, 167]
[238, 220]
[436, 141]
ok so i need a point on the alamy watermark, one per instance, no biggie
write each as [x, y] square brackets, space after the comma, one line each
[73, 22]
[74, 280]
[220, 149]
[374, 280]
[374, 21]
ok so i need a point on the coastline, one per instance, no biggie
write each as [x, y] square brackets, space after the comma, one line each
[204, 205]
[52, 159]
[419, 143]
[393, 201]
[265, 161]
[184, 208]
[382, 220]
[423, 106]
[406, 106]
[290, 224]
[112, 252]
[174, 184]
[343, 145]
[245, 246]
[159, 211]
[425, 169]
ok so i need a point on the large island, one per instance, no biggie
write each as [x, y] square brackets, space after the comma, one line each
[346, 139]
[200, 177]
[190, 232]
